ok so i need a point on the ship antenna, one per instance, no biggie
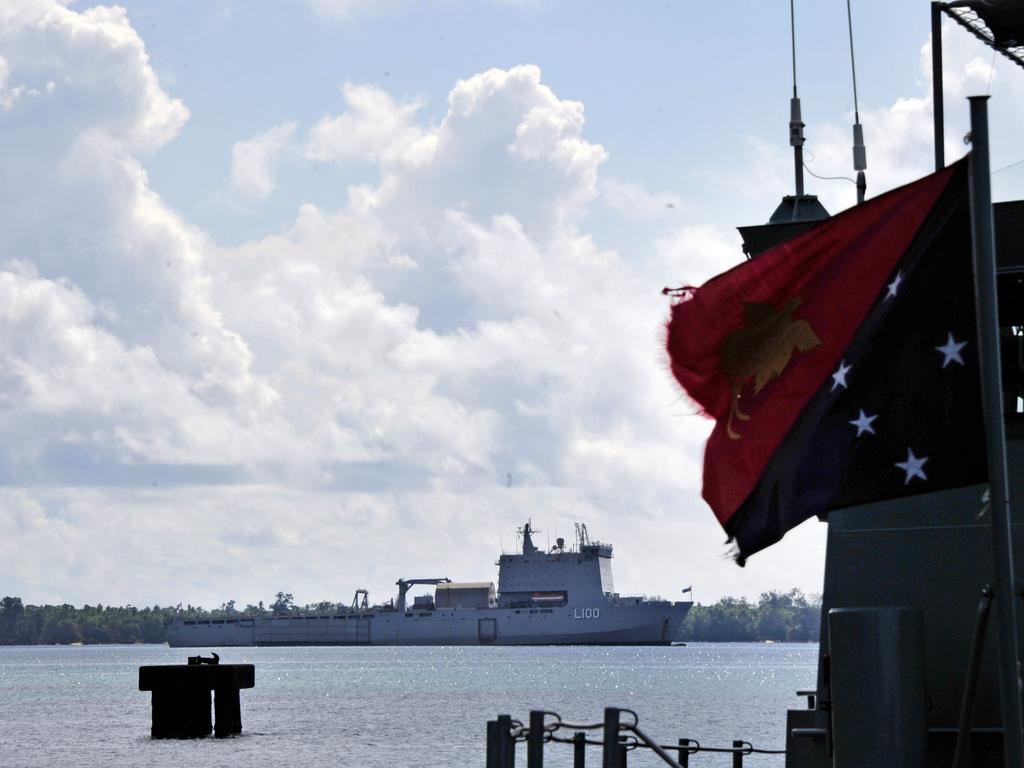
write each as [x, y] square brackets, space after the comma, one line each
[800, 209]
[860, 156]
[796, 124]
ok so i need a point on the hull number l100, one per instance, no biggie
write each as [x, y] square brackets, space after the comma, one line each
[586, 613]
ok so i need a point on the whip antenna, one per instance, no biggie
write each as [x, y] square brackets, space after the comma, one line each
[860, 153]
[796, 213]
[796, 124]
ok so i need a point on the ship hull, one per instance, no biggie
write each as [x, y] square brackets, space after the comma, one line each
[609, 624]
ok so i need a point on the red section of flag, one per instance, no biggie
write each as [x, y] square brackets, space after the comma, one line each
[754, 344]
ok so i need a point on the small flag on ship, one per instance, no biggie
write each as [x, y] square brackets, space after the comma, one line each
[687, 589]
[841, 367]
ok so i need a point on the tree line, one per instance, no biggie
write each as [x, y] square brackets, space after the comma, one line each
[65, 624]
[777, 616]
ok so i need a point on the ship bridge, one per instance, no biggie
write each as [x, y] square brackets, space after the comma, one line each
[535, 576]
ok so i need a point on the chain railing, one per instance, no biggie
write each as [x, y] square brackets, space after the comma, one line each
[619, 736]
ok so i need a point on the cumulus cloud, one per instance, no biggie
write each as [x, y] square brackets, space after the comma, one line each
[96, 58]
[374, 129]
[100, 270]
[253, 163]
[444, 354]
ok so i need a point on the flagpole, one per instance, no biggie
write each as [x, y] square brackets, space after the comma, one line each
[937, 114]
[983, 245]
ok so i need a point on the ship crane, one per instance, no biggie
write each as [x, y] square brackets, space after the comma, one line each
[356, 604]
[404, 584]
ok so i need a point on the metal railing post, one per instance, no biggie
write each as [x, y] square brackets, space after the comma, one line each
[506, 747]
[611, 738]
[492, 744]
[579, 750]
[619, 739]
[684, 752]
[535, 740]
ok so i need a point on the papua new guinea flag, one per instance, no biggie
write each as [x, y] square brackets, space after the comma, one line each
[840, 367]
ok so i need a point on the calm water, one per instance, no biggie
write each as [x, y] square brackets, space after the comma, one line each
[311, 707]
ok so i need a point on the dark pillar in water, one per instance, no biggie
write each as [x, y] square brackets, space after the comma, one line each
[181, 698]
[228, 711]
[181, 714]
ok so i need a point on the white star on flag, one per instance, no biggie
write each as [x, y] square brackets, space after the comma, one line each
[951, 350]
[839, 377]
[863, 423]
[913, 466]
[894, 286]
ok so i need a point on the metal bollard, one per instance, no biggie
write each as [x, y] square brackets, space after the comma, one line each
[535, 740]
[684, 753]
[579, 750]
[611, 738]
[737, 756]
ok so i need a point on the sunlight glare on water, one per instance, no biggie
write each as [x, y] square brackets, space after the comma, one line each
[397, 706]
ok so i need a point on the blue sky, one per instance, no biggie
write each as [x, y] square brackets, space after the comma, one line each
[661, 84]
[308, 296]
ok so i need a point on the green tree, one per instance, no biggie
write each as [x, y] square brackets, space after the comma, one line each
[778, 616]
[61, 632]
[284, 604]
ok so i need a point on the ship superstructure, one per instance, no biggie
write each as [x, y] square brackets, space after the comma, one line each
[564, 596]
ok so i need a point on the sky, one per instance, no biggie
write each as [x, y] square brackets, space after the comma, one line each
[309, 296]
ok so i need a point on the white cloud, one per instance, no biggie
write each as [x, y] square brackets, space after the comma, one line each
[374, 129]
[253, 163]
[632, 200]
[700, 252]
[94, 57]
[445, 354]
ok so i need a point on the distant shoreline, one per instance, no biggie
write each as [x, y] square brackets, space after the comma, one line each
[777, 617]
[680, 644]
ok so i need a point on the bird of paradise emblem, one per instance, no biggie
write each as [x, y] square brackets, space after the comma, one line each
[761, 350]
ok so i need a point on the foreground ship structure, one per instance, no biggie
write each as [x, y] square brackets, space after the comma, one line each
[564, 596]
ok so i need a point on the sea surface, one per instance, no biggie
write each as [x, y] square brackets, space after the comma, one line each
[383, 706]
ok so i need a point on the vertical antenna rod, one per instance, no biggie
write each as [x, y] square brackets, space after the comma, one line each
[796, 125]
[860, 156]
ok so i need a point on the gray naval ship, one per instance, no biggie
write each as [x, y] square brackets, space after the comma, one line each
[561, 597]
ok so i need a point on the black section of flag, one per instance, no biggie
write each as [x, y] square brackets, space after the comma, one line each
[902, 413]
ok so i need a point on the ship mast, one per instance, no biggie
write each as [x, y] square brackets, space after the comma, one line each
[528, 546]
[799, 211]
